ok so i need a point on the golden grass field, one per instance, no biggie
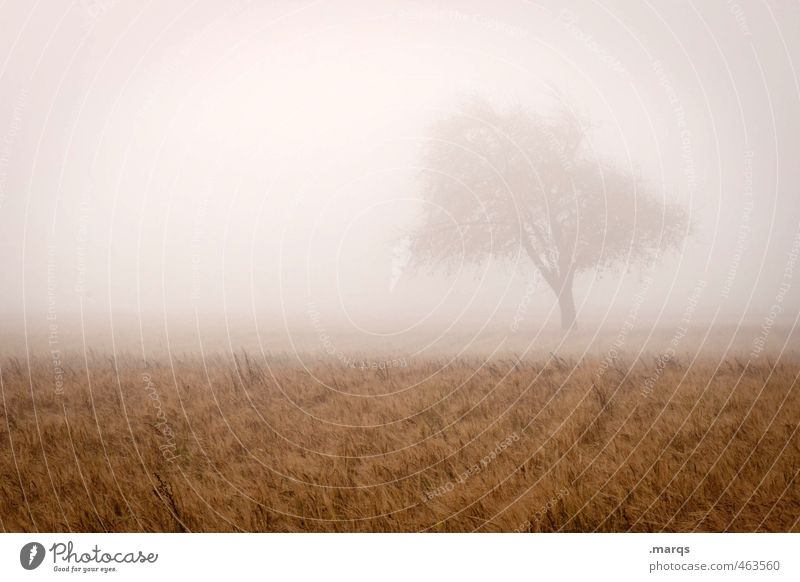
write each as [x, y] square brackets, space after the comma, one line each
[539, 445]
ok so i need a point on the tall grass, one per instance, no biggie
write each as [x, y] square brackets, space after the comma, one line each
[244, 443]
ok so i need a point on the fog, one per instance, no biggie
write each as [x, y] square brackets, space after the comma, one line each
[216, 174]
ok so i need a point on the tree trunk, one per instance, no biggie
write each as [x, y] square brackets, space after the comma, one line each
[566, 301]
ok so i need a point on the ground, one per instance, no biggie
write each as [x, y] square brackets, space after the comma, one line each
[527, 443]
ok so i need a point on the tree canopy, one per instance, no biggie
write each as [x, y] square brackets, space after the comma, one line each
[501, 184]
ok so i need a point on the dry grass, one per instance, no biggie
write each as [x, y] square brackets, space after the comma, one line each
[548, 445]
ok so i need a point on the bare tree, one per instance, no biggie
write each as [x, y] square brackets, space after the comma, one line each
[500, 184]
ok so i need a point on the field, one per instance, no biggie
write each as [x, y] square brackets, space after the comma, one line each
[246, 443]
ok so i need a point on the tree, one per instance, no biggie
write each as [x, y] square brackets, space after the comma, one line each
[501, 184]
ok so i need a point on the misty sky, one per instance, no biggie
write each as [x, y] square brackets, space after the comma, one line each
[239, 159]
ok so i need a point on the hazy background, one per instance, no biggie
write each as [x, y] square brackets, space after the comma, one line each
[218, 175]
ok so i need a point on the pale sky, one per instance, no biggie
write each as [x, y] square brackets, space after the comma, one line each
[234, 158]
